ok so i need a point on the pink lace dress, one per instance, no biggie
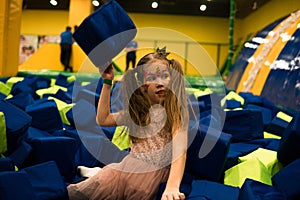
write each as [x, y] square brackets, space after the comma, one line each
[139, 175]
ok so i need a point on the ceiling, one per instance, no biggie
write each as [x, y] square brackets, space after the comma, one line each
[215, 8]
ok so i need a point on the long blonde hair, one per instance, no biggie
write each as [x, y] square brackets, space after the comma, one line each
[138, 102]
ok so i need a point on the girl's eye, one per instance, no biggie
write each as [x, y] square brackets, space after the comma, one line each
[165, 75]
[150, 78]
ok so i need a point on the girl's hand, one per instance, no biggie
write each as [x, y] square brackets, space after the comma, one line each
[172, 194]
[108, 73]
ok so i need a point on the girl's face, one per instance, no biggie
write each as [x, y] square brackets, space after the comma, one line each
[157, 79]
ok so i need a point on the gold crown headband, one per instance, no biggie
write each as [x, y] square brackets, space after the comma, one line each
[162, 53]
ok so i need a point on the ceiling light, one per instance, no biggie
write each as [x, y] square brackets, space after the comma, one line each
[203, 7]
[53, 2]
[154, 4]
[95, 3]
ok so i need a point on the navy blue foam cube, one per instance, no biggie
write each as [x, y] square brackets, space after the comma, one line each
[232, 104]
[6, 164]
[46, 181]
[62, 80]
[244, 125]
[207, 153]
[17, 123]
[55, 148]
[20, 155]
[203, 189]
[277, 126]
[16, 185]
[96, 148]
[252, 189]
[237, 150]
[105, 33]
[266, 113]
[21, 100]
[45, 115]
[289, 148]
[2, 96]
[287, 180]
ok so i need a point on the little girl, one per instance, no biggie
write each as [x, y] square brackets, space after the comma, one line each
[156, 113]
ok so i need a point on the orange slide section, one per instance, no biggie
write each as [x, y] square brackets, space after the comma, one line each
[267, 51]
[274, 53]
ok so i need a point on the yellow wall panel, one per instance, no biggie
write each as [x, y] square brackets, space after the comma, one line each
[10, 20]
[44, 22]
[265, 15]
[78, 11]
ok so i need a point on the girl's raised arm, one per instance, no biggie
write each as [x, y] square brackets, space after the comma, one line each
[104, 117]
